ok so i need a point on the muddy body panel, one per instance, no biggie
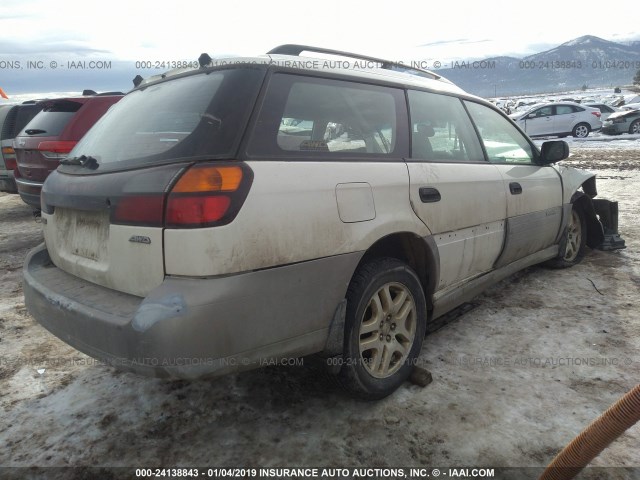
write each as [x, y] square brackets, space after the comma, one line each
[187, 327]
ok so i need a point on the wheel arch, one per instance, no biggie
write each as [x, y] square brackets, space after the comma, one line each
[419, 253]
[574, 179]
[595, 233]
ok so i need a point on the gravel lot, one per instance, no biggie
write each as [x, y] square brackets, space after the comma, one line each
[540, 356]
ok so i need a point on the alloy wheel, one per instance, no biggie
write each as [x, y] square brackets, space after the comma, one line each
[388, 329]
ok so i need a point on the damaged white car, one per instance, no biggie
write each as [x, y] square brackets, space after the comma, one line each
[216, 219]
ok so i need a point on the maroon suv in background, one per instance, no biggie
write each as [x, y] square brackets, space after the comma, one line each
[13, 118]
[50, 136]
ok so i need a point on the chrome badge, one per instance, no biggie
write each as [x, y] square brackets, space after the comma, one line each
[140, 239]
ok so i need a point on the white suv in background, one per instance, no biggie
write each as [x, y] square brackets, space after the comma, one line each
[255, 209]
[559, 119]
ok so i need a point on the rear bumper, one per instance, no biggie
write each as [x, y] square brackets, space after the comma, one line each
[8, 185]
[29, 191]
[187, 327]
[7, 181]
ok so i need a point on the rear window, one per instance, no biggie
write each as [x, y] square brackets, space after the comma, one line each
[17, 119]
[52, 120]
[197, 116]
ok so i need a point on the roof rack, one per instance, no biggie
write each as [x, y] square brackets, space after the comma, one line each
[293, 49]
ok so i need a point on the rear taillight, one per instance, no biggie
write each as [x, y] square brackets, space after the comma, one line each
[139, 209]
[56, 150]
[597, 114]
[207, 195]
[9, 155]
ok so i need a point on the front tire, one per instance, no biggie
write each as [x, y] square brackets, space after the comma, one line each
[581, 130]
[574, 242]
[634, 127]
[384, 328]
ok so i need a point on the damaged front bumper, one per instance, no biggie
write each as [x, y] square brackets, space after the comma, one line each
[607, 212]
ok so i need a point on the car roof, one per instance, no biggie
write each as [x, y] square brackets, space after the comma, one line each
[374, 74]
[401, 75]
[573, 104]
[80, 98]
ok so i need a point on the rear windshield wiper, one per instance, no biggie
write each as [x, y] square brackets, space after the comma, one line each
[82, 160]
[34, 131]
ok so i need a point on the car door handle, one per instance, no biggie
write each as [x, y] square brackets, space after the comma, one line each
[429, 195]
[515, 188]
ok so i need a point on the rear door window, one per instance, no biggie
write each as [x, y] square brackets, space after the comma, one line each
[565, 109]
[306, 116]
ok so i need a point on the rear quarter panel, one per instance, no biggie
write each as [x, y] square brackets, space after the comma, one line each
[291, 215]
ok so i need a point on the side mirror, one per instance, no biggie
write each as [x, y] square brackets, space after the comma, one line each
[554, 151]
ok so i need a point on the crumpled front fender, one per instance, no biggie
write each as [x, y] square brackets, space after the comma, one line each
[601, 214]
[573, 178]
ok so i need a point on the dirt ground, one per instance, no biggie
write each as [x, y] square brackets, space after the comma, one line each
[515, 379]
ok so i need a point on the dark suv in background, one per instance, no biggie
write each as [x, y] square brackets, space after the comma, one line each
[51, 135]
[13, 118]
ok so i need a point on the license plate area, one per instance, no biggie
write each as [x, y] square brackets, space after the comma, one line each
[83, 233]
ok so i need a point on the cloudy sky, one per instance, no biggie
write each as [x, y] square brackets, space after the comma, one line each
[134, 29]
[398, 30]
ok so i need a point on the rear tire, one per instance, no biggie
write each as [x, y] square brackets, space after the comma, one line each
[384, 328]
[574, 242]
[581, 130]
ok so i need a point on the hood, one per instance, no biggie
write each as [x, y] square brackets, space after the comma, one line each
[626, 113]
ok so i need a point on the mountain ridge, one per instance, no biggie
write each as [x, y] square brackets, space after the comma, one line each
[586, 60]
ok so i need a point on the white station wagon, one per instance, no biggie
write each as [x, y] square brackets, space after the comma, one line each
[257, 209]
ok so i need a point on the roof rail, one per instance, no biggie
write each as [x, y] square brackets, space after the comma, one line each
[293, 49]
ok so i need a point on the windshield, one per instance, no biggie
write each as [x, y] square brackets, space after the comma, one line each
[193, 116]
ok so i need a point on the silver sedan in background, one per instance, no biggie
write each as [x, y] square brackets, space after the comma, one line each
[559, 119]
